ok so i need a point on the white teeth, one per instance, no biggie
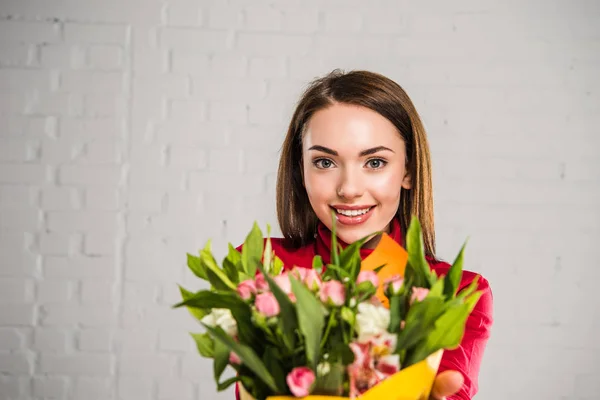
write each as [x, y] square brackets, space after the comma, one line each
[353, 213]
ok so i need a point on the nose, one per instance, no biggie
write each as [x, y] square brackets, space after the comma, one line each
[350, 185]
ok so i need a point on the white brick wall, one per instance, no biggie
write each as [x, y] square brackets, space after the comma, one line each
[120, 121]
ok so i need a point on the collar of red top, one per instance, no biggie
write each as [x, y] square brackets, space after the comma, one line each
[323, 240]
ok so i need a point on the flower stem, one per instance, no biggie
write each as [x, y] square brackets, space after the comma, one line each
[329, 323]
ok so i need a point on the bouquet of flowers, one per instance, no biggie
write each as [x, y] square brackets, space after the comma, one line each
[350, 328]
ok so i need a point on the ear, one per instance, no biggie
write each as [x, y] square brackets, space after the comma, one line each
[407, 182]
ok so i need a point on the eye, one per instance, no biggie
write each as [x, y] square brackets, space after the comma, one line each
[376, 163]
[323, 163]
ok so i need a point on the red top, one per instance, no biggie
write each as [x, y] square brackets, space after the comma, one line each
[467, 357]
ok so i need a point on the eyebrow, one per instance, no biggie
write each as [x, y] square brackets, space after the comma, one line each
[363, 153]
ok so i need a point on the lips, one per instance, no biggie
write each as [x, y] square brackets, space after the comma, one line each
[352, 215]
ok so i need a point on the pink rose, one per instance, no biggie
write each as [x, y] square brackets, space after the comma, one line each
[333, 293]
[234, 359]
[300, 381]
[283, 281]
[266, 304]
[418, 294]
[367, 276]
[246, 289]
[312, 279]
[261, 284]
[395, 282]
[300, 273]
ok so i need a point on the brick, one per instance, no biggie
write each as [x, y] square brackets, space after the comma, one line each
[55, 151]
[89, 221]
[104, 105]
[192, 366]
[233, 89]
[54, 291]
[267, 67]
[386, 23]
[54, 244]
[148, 366]
[52, 340]
[11, 339]
[175, 341]
[15, 54]
[22, 173]
[225, 17]
[60, 199]
[182, 13]
[182, 62]
[226, 111]
[132, 387]
[228, 65]
[95, 340]
[261, 18]
[101, 199]
[16, 363]
[131, 341]
[157, 318]
[150, 201]
[100, 152]
[20, 197]
[104, 57]
[236, 183]
[28, 220]
[21, 79]
[99, 245]
[71, 315]
[227, 161]
[81, 267]
[300, 21]
[12, 387]
[97, 292]
[18, 263]
[61, 56]
[95, 33]
[30, 32]
[139, 294]
[200, 41]
[55, 104]
[15, 291]
[170, 388]
[94, 388]
[192, 111]
[88, 364]
[263, 44]
[267, 113]
[18, 150]
[196, 133]
[166, 178]
[89, 129]
[16, 315]
[50, 386]
[343, 21]
[92, 82]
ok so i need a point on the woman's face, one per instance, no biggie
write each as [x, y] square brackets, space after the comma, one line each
[354, 164]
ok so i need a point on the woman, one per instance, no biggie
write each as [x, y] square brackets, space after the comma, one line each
[356, 146]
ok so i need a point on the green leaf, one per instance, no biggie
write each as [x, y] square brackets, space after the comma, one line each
[395, 314]
[195, 265]
[420, 321]
[268, 252]
[341, 273]
[225, 384]
[207, 299]
[448, 332]
[197, 313]
[205, 344]
[331, 384]
[318, 264]
[335, 255]
[209, 262]
[287, 311]
[252, 250]
[437, 290]
[469, 289]
[311, 320]
[232, 264]
[272, 360]
[221, 359]
[452, 278]
[277, 265]
[416, 255]
[246, 354]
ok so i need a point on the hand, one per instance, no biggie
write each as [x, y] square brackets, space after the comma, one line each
[446, 384]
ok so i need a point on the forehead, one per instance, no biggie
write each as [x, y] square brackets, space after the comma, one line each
[349, 126]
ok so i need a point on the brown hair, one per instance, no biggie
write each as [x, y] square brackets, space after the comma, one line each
[296, 217]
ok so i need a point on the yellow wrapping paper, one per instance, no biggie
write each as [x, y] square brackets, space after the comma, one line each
[412, 383]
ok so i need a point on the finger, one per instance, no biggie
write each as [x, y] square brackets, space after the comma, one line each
[446, 384]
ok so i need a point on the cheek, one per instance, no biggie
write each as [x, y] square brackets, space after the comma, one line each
[386, 188]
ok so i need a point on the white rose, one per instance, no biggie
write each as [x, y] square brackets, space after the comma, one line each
[222, 318]
[371, 320]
